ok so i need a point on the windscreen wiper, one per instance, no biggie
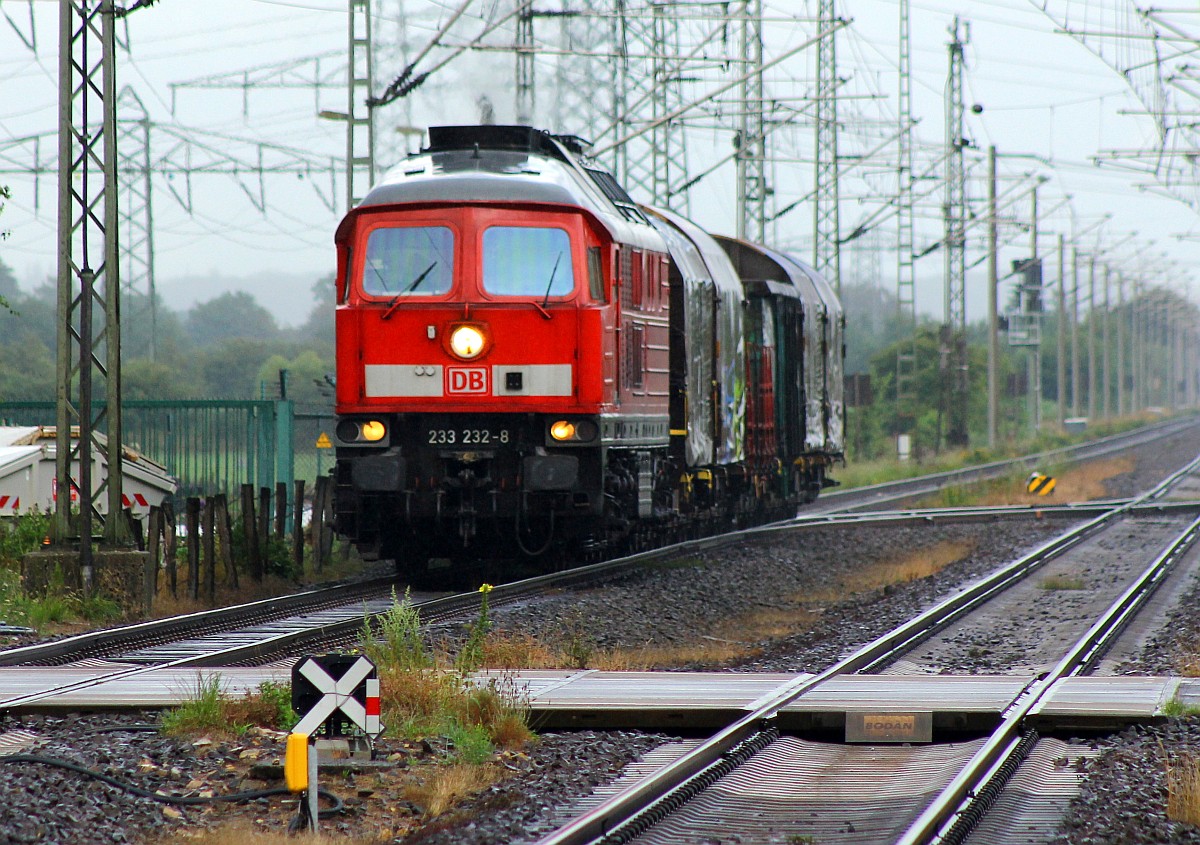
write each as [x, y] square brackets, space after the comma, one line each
[395, 301]
[550, 284]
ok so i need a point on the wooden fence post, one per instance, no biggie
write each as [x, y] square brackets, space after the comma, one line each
[327, 522]
[298, 527]
[280, 507]
[317, 524]
[250, 532]
[225, 535]
[192, 515]
[172, 548]
[210, 552]
[154, 528]
[264, 525]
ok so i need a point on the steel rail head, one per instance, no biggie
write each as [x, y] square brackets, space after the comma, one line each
[1079, 451]
[940, 819]
[616, 811]
[97, 641]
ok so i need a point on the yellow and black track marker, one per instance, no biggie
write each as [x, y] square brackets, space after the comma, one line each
[1040, 484]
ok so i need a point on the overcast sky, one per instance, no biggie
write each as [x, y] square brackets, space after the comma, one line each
[1042, 94]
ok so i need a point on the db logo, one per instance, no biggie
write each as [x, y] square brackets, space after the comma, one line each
[467, 380]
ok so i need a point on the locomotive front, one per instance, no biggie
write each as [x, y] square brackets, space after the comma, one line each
[475, 332]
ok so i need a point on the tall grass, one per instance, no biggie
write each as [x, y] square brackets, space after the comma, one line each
[57, 606]
[212, 711]
[423, 694]
[398, 644]
[1183, 790]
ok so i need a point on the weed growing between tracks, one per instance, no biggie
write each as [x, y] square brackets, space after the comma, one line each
[726, 641]
[1061, 582]
[427, 694]
[1189, 666]
[212, 711]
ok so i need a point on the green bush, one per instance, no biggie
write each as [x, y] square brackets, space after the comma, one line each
[22, 534]
[205, 712]
[472, 743]
[278, 698]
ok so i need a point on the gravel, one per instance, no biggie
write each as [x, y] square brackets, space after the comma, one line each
[51, 805]
[1123, 795]
[775, 576]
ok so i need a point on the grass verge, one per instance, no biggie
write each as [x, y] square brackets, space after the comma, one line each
[865, 473]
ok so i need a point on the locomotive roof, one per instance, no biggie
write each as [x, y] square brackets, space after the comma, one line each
[513, 164]
[754, 265]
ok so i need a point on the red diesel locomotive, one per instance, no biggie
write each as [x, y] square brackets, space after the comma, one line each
[530, 363]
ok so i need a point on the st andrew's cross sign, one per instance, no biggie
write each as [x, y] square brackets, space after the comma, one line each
[336, 690]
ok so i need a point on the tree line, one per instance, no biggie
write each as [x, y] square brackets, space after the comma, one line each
[229, 347]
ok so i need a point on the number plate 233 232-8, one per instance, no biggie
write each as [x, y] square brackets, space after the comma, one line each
[467, 437]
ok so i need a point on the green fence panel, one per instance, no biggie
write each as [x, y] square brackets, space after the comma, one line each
[209, 445]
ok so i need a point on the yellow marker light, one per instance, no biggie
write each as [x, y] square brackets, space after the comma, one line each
[295, 762]
[467, 341]
[373, 430]
[562, 430]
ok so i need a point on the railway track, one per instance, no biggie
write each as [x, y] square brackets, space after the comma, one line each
[333, 618]
[791, 751]
[661, 807]
[872, 496]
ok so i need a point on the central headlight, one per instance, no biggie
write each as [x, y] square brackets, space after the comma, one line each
[467, 341]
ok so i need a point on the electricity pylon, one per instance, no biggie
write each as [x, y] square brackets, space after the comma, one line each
[89, 328]
[826, 221]
[954, 246]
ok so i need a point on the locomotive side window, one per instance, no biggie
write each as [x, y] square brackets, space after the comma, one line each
[409, 261]
[527, 261]
[625, 275]
[635, 355]
[638, 278]
[596, 275]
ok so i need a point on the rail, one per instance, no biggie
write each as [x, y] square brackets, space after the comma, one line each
[619, 816]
